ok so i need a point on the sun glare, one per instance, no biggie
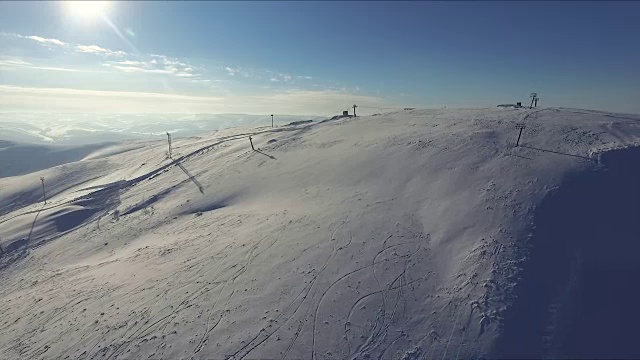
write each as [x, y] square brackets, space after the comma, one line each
[86, 10]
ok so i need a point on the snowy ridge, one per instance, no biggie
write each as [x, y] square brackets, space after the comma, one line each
[404, 235]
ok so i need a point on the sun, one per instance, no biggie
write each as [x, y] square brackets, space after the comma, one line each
[86, 10]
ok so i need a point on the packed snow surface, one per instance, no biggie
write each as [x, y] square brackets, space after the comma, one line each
[415, 234]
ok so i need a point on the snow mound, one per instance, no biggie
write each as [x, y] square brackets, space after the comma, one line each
[419, 234]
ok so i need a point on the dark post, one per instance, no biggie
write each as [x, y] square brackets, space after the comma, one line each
[354, 110]
[535, 103]
[169, 141]
[533, 97]
[44, 195]
[521, 127]
[252, 148]
[272, 121]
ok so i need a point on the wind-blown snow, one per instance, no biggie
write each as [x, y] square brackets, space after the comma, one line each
[415, 234]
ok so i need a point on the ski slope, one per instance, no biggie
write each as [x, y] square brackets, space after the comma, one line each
[415, 234]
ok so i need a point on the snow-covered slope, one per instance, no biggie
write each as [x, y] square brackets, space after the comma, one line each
[23, 158]
[81, 129]
[416, 234]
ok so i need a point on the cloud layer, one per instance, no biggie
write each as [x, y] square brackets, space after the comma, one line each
[293, 102]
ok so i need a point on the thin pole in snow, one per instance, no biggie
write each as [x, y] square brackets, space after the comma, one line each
[354, 110]
[533, 98]
[252, 148]
[272, 121]
[44, 194]
[521, 127]
[169, 141]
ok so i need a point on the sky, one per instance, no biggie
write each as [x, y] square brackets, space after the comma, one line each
[316, 58]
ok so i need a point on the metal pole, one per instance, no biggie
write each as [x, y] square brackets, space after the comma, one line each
[252, 148]
[533, 98]
[354, 110]
[169, 141]
[44, 194]
[520, 134]
[272, 121]
[521, 127]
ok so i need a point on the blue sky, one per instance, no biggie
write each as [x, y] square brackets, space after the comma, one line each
[317, 57]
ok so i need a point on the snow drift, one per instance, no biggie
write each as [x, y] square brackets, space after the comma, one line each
[415, 234]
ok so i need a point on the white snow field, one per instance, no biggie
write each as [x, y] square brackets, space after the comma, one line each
[422, 234]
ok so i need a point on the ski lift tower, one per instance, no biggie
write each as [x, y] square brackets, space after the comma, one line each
[534, 97]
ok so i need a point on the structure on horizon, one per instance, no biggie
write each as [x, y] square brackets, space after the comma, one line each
[534, 99]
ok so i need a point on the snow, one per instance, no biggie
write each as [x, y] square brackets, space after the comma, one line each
[414, 234]
[24, 158]
[83, 128]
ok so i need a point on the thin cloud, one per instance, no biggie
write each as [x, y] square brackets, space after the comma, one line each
[40, 39]
[102, 93]
[16, 62]
[23, 64]
[237, 70]
[174, 62]
[296, 102]
[135, 69]
[147, 67]
[163, 57]
[129, 62]
[165, 66]
[283, 77]
[95, 49]
[45, 40]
